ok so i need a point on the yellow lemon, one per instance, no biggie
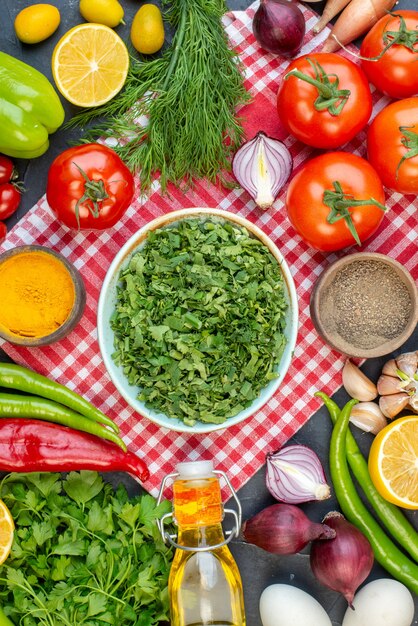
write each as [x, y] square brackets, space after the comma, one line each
[147, 29]
[36, 22]
[89, 64]
[393, 462]
[108, 12]
[6, 532]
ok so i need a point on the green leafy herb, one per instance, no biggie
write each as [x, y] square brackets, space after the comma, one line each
[199, 320]
[83, 553]
[189, 95]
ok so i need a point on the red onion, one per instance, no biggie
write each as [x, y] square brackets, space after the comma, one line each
[279, 27]
[262, 166]
[283, 529]
[343, 563]
[295, 474]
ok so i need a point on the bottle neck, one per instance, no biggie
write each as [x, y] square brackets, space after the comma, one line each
[197, 503]
[200, 536]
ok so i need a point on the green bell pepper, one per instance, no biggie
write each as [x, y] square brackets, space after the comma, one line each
[30, 109]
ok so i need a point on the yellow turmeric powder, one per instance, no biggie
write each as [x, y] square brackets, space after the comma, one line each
[36, 294]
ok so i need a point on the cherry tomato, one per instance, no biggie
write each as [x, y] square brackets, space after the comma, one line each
[9, 200]
[89, 187]
[395, 73]
[341, 180]
[3, 231]
[392, 145]
[6, 169]
[324, 100]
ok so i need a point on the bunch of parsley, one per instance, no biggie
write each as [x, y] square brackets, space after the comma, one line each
[84, 554]
[200, 319]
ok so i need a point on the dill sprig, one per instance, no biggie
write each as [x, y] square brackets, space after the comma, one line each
[190, 96]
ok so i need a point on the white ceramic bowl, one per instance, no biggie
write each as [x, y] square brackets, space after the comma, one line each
[107, 304]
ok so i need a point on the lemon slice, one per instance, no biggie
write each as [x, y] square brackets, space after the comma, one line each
[393, 462]
[89, 64]
[6, 532]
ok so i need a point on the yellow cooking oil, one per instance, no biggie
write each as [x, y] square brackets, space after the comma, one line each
[205, 585]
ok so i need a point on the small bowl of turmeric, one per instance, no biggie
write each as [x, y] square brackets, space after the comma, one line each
[42, 296]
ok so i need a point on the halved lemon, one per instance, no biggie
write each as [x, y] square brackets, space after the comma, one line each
[89, 64]
[6, 532]
[393, 462]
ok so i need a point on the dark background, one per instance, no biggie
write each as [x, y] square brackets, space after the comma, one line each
[258, 568]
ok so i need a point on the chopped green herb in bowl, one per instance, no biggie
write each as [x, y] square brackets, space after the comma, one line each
[197, 320]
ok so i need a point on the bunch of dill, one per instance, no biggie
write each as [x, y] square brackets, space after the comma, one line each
[189, 95]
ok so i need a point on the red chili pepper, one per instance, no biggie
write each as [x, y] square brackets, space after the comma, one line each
[36, 446]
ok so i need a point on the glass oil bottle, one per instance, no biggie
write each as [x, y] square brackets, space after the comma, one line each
[204, 586]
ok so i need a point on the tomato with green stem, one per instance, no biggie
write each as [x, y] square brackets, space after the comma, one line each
[9, 200]
[324, 100]
[335, 200]
[392, 145]
[7, 169]
[392, 47]
[10, 189]
[89, 187]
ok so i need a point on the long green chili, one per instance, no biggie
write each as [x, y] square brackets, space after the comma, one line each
[14, 405]
[17, 377]
[390, 515]
[385, 551]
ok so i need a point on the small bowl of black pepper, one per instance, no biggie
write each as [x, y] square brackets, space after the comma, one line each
[365, 305]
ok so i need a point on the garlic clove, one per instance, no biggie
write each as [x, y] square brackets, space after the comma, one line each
[390, 368]
[387, 385]
[368, 417]
[408, 363]
[393, 404]
[357, 384]
[413, 402]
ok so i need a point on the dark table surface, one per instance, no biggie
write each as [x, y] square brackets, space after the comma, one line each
[258, 568]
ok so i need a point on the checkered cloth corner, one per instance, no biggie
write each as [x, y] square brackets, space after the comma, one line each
[76, 361]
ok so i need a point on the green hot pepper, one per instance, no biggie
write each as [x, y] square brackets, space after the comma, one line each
[30, 109]
[22, 379]
[15, 405]
[385, 551]
[389, 514]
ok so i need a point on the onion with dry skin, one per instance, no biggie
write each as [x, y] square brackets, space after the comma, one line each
[398, 385]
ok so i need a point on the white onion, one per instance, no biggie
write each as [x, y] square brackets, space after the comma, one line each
[295, 474]
[262, 166]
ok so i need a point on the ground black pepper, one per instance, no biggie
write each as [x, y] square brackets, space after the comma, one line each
[366, 304]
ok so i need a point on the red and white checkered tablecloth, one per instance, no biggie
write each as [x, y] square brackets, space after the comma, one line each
[76, 361]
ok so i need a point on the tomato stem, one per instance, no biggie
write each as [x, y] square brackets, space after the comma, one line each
[94, 194]
[340, 204]
[330, 97]
[410, 141]
[401, 37]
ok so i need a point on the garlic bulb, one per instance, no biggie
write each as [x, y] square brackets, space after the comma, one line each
[368, 417]
[398, 385]
[357, 384]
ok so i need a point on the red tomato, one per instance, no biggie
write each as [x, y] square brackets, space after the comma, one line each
[392, 145]
[6, 169]
[319, 178]
[9, 200]
[3, 232]
[89, 187]
[396, 72]
[301, 105]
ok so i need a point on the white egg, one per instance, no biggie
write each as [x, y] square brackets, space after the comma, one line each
[284, 605]
[383, 602]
